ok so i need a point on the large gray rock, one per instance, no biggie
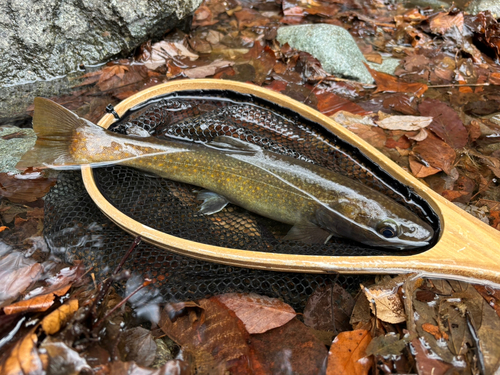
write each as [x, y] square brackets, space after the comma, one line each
[332, 45]
[477, 6]
[12, 149]
[49, 38]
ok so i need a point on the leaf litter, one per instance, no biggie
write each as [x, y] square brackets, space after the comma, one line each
[437, 114]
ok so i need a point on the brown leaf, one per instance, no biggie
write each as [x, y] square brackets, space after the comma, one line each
[446, 123]
[434, 330]
[248, 17]
[40, 303]
[207, 70]
[347, 354]
[426, 363]
[2, 228]
[329, 103]
[60, 283]
[373, 135]
[291, 348]
[442, 22]
[388, 83]
[489, 339]
[64, 360]
[453, 195]
[492, 296]
[23, 358]
[408, 123]
[203, 16]
[387, 345]
[436, 153]
[419, 170]
[494, 78]
[17, 273]
[137, 344]
[385, 300]
[329, 309]
[374, 57]
[215, 338]
[401, 103]
[258, 313]
[53, 322]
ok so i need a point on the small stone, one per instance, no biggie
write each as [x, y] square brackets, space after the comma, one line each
[332, 45]
[477, 6]
[14, 143]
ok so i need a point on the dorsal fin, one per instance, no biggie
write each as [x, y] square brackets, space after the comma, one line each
[226, 143]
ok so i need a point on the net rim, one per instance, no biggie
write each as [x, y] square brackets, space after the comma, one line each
[283, 262]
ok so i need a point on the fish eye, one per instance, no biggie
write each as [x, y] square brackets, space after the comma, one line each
[388, 228]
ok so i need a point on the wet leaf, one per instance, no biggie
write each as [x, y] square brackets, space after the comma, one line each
[491, 296]
[435, 153]
[27, 187]
[442, 22]
[402, 103]
[329, 103]
[387, 83]
[60, 282]
[214, 338]
[40, 303]
[291, 348]
[64, 360]
[23, 358]
[348, 354]
[373, 135]
[258, 313]
[385, 345]
[329, 309]
[446, 123]
[137, 345]
[408, 123]
[426, 361]
[434, 331]
[53, 322]
[17, 274]
[173, 367]
[207, 70]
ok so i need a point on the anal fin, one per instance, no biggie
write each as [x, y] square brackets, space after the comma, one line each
[212, 202]
[309, 233]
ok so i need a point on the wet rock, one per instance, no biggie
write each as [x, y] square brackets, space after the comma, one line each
[47, 39]
[389, 65]
[14, 143]
[434, 4]
[477, 6]
[332, 45]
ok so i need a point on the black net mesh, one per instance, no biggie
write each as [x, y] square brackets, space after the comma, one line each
[75, 226]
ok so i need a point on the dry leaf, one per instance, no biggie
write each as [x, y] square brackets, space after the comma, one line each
[53, 322]
[409, 123]
[258, 313]
[387, 345]
[348, 354]
[489, 339]
[385, 299]
[422, 134]
[347, 119]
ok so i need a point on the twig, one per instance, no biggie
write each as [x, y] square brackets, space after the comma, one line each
[461, 85]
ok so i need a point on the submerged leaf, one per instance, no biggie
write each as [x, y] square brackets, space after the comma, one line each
[435, 153]
[387, 83]
[23, 358]
[258, 313]
[53, 322]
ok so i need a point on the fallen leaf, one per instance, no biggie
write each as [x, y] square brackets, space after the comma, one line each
[329, 103]
[137, 344]
[492, 296]
[446, 122]
[214, 338]
[426, 361]
[434, 331]
[40, 303]
[388, 83]
[17, 273]
[23, 358]
[2, 228]
[289, 349]
[373, 135]
[402, 103]
[348, 353]
[408, 123]
[435, 153]
[421, 135]
[346, 119]
[53, 322]
[442, 22]
[207, 70]
[172, 367]
[59, 283]
[374, 57]
[387, 345]
[385, 299]
[489, 339]
[26, 187]
[329, 309]
[64, 360]
[258, 313]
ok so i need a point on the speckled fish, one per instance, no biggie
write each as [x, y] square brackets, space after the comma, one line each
[317, 202]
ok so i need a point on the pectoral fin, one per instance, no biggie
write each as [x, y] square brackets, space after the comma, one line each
[309, 233]
[212, 202]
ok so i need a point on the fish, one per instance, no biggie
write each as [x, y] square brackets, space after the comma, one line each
[317, 202]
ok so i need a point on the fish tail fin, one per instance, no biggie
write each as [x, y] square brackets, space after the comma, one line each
[55, 128]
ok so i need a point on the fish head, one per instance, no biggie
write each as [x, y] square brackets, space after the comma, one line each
[388, 225]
